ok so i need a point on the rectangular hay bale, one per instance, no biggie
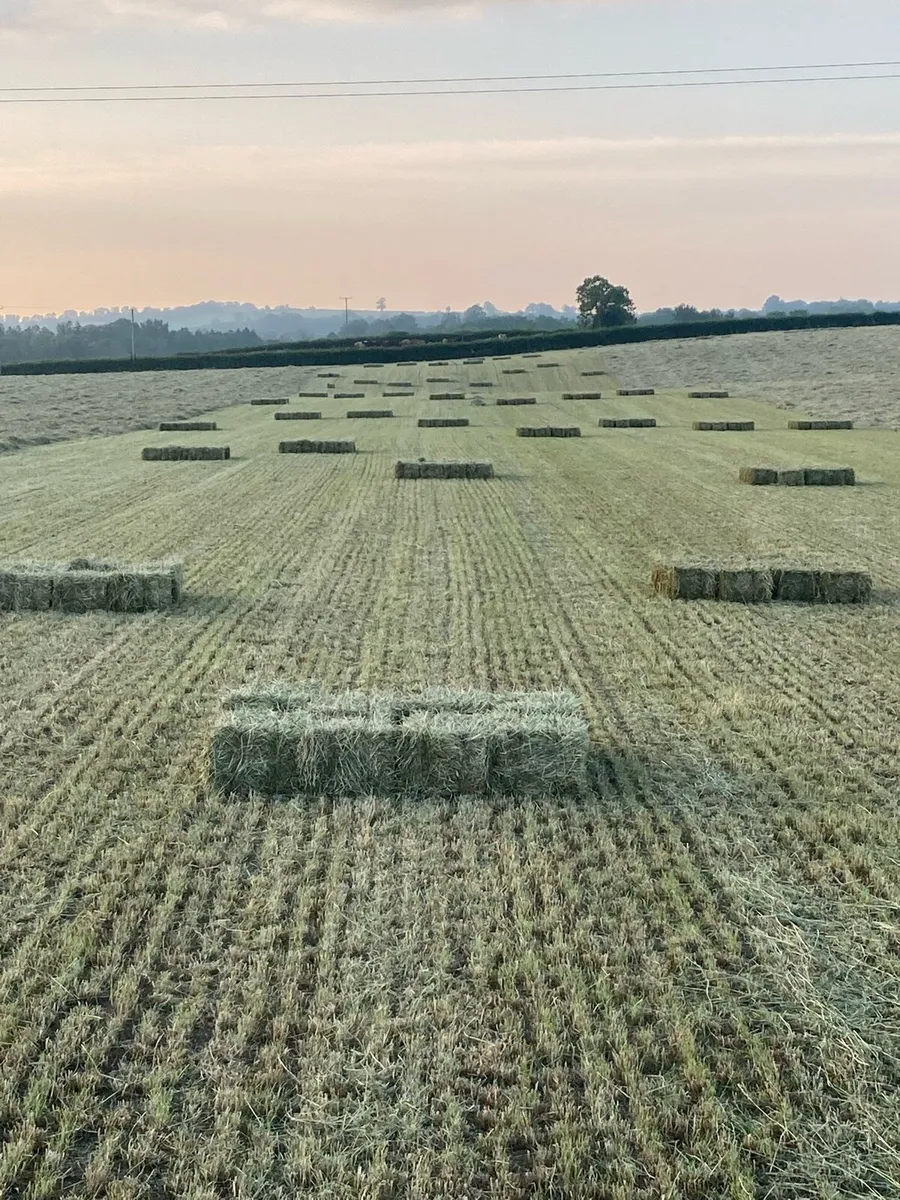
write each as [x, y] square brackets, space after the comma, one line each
[442, 422]
[829, 476]
[757, 475]
[582, 395]
[791, 477]
[682, 582]
[25, 589]
[636, 392]
[270, 400]
[187, 426]
[298, 416]
[843, 587]
[746, 585]
[513, 400]
[307, 446]
[370, 412]
[447, 396]
[740, 426]
[184, 453]
[708, 395]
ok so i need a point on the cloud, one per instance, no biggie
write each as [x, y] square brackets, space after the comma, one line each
[507, 165]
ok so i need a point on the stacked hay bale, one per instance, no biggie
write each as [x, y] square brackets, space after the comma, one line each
[447, 396]
[758, 584]
[277, 740]
[636, 392]
[442, 422]
[820, 424]
[349, 395]
[184, 453]
[627, 422]
[89, 584]
[473, 362]
[514, 371]
[313, 395]
[587, 374]
[270, 400]
[799, 476]
[328, 375]
[439, 379]
[443, 469]
[556, 431]
[370, 412]
[481, 383]
[308, 446]
[298, 416]
[507, 400]
[723, 426]
[187, 426]
[708, 395]
[582, 395]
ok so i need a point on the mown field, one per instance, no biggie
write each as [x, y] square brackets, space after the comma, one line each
[684, 985]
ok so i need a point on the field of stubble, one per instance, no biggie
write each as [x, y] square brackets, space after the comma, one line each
[687, 985]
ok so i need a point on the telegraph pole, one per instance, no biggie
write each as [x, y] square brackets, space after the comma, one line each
[132, 335]
[346, 300]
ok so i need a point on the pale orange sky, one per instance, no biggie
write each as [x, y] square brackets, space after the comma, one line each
[712, 197]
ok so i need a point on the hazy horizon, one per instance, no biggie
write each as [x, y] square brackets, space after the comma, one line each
[690, 195]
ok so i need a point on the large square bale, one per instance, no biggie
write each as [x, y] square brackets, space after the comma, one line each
[255, 750]
[25, 589]
[346, 756]
[791, 478]
[827, 476]
[843, 587]
[796, 585]
[277, 697]
[408, 470]
[740, 426]
[758, 475]
[79, 591]
[125, 591]
[682, 582]
[443, 753]
[479, 470]
[536, 754]
[746, 585]
[158, 589]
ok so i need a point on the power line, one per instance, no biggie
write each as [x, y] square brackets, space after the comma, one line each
[159, 87]
[600, 87]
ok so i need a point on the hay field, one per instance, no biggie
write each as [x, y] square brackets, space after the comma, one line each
[684, 985]
[828, 373]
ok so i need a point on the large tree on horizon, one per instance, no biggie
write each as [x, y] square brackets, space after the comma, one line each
[603, 305]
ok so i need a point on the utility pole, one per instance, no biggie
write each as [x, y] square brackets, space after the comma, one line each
[346, 300]
[132, 335]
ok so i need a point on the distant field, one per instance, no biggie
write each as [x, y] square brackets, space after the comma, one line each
[686, 984]
[829, 373]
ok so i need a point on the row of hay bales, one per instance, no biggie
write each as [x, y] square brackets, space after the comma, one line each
[281, 740]
[313, 446]
[184, 453]
[442, 422]
[188, 426]
[799, 476]
[87, 585]
[723, 426]
[442, 469]
[555, 431]
[753, 584]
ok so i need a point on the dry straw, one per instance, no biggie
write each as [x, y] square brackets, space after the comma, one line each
[270, 400]
[708, 395]
[627, 422]
[820, 424]
[275, 740]
[636, 392]
[184, 453]
[89, 584]
[442, 422]
[306, 446]
[298, 416]
[444, 469]
[187, 426]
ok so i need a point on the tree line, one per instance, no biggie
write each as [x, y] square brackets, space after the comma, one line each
[152, 339]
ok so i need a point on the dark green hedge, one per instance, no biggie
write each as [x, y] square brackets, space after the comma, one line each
[322, 352]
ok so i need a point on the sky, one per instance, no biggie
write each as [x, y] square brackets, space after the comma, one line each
[710, 196]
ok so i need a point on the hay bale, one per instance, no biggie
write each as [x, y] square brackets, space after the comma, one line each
[328, 375]
[535, 753]
[796, 585]
[400, 383]
[439, 362]
[535, 355]
[255, 750]
[791, 478]
[758, 475]
[747, 585]
[270, 400]
[627, 422]
[820, 425]
[472, 362]
[682, 582]
[829, 476]
[565, 431]
[306, 446]
[364, 382]
[25, 589]
[79, 591]
[442, 422]
[443, 754]
[843, 587]
[395, 395]
[349, 395]
[587, 374]
[373, 366]
[533, 431]
[582, 396]
[481, 383]
[540, 365]
[298, 416]
[708, 395]
[370, 412]
[405, 469]
[187, 426]
[313, 395]
[184, 453]
[447, 396]
[740, 426]
[636, 392]
[706, 426]
[513, 371]
[280, 697]
[508, 400]
[439, 379]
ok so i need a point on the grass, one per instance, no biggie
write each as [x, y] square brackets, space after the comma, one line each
[685, 983]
